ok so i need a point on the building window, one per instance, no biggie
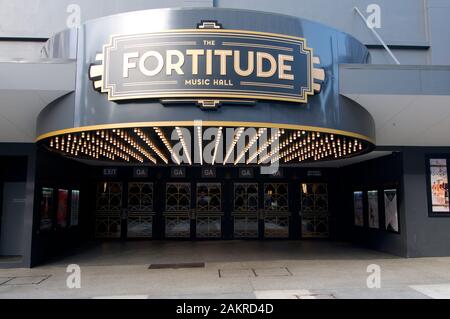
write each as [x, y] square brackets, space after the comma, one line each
[438, 187]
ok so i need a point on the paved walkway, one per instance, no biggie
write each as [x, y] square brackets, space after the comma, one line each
[233, 269]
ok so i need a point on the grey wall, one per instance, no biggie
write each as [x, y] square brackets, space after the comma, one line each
[410, 26]
[438, 12]
[18, 165]
[13, 211]
[427, 236]
[43, 18]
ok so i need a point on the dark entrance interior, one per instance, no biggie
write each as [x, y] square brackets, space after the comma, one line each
[78, 202]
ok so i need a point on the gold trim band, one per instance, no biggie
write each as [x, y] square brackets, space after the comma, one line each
[206, 123]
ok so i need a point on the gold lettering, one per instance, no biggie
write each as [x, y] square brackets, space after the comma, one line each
[250, 63]
[208, 62]
[223, 59]
[283, 67]
[195, 54]
[260, 57]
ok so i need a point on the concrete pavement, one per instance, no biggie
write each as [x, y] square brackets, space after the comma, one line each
[233, 269]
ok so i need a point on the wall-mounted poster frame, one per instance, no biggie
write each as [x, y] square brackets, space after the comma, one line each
[437, 185]
[373, 209]
[74, 207]
[62, 208]
[46, 209]
[391, 216]
[358, 208]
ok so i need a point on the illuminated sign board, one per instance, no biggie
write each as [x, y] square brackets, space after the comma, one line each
[208, 64]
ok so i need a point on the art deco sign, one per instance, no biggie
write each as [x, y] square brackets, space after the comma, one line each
[207, 64]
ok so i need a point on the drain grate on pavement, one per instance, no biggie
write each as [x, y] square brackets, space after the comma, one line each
[25, 280]
[177, 266]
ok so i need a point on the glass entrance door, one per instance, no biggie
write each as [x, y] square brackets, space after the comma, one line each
[177, 216]
[245, 210]
[108, 210]
[209, 214]
[276, 213]
[314, 210]
[140, 210]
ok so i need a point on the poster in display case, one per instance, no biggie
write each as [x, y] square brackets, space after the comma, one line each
[390, 210]
[61, 213]
[74, 207]
[358, 208]
[46, 208]
[438, 175]
[372, 204]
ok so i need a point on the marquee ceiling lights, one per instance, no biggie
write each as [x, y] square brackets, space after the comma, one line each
[149, 142]
[262, 148]
[198, 125]
[250, 144]
[183, 143]
[236, 138]
[149, 145]
[216, 145]
[167, 144]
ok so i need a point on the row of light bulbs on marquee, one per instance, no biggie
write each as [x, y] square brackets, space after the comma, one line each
[132, 142]
[137, 145]
[275, 137]
[183, 143]
[216, 145]
[250, 144]
[94, 145]
[316, 146]
[163, 138]
[147, 140]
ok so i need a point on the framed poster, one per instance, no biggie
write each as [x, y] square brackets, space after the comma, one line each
[372, 204]
[390, 210]
[74, 207]
[61, 213]
[438, 186]
[358, 208]
[46, 208]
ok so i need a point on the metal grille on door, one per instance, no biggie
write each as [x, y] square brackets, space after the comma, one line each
[108, 210]
[245, 214]
[209, 210]
[314, 210]
[276, 210]
[140, 210]
[177, 218]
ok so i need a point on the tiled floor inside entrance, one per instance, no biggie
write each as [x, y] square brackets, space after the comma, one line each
[231, 269]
